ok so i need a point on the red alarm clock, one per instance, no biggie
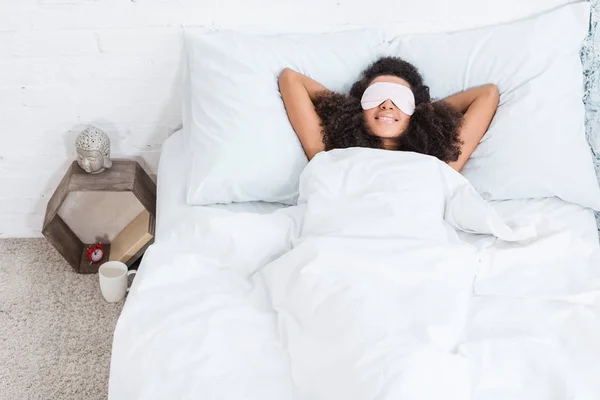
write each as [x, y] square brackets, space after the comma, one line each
[95, 253]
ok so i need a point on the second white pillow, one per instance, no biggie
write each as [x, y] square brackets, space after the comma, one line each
[536, 145]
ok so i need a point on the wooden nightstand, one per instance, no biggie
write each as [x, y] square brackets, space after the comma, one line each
[118, 203]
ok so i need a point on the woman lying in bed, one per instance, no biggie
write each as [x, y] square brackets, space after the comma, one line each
[389, 108]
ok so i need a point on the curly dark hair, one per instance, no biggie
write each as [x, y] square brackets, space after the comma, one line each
[433, 129]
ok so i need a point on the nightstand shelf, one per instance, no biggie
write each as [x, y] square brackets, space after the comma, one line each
[94, 208]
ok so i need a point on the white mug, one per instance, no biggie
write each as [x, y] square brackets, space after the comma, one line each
[113, 280]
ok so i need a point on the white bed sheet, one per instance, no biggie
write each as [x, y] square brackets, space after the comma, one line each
[171, 197]
[169, 319]
[172, 209]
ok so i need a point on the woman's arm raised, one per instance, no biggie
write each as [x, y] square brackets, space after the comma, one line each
[479, 105]
[298, 92]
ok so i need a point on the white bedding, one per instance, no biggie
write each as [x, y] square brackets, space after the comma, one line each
[171, 203]
[173, 214]
[222, 309]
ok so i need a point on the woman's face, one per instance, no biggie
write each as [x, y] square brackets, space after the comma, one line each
[386, 120]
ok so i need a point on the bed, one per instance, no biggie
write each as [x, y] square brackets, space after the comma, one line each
[194, 328]
[364, 273]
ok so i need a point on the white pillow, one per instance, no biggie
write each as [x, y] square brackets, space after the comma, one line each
[536, 144]
[243, 145]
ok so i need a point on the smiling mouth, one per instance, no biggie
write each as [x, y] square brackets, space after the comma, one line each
[386, 118]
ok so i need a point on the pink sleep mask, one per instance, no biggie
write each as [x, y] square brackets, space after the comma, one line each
[400, 95]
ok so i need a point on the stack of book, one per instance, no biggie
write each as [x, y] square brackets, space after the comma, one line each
[133, 240]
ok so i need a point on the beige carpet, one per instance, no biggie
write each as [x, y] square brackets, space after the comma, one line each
[55, 327]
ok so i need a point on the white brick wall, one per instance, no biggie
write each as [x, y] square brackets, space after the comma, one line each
[68, 63]
[116, 64]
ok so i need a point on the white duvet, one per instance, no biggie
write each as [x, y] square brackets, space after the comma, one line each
[365, 290]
